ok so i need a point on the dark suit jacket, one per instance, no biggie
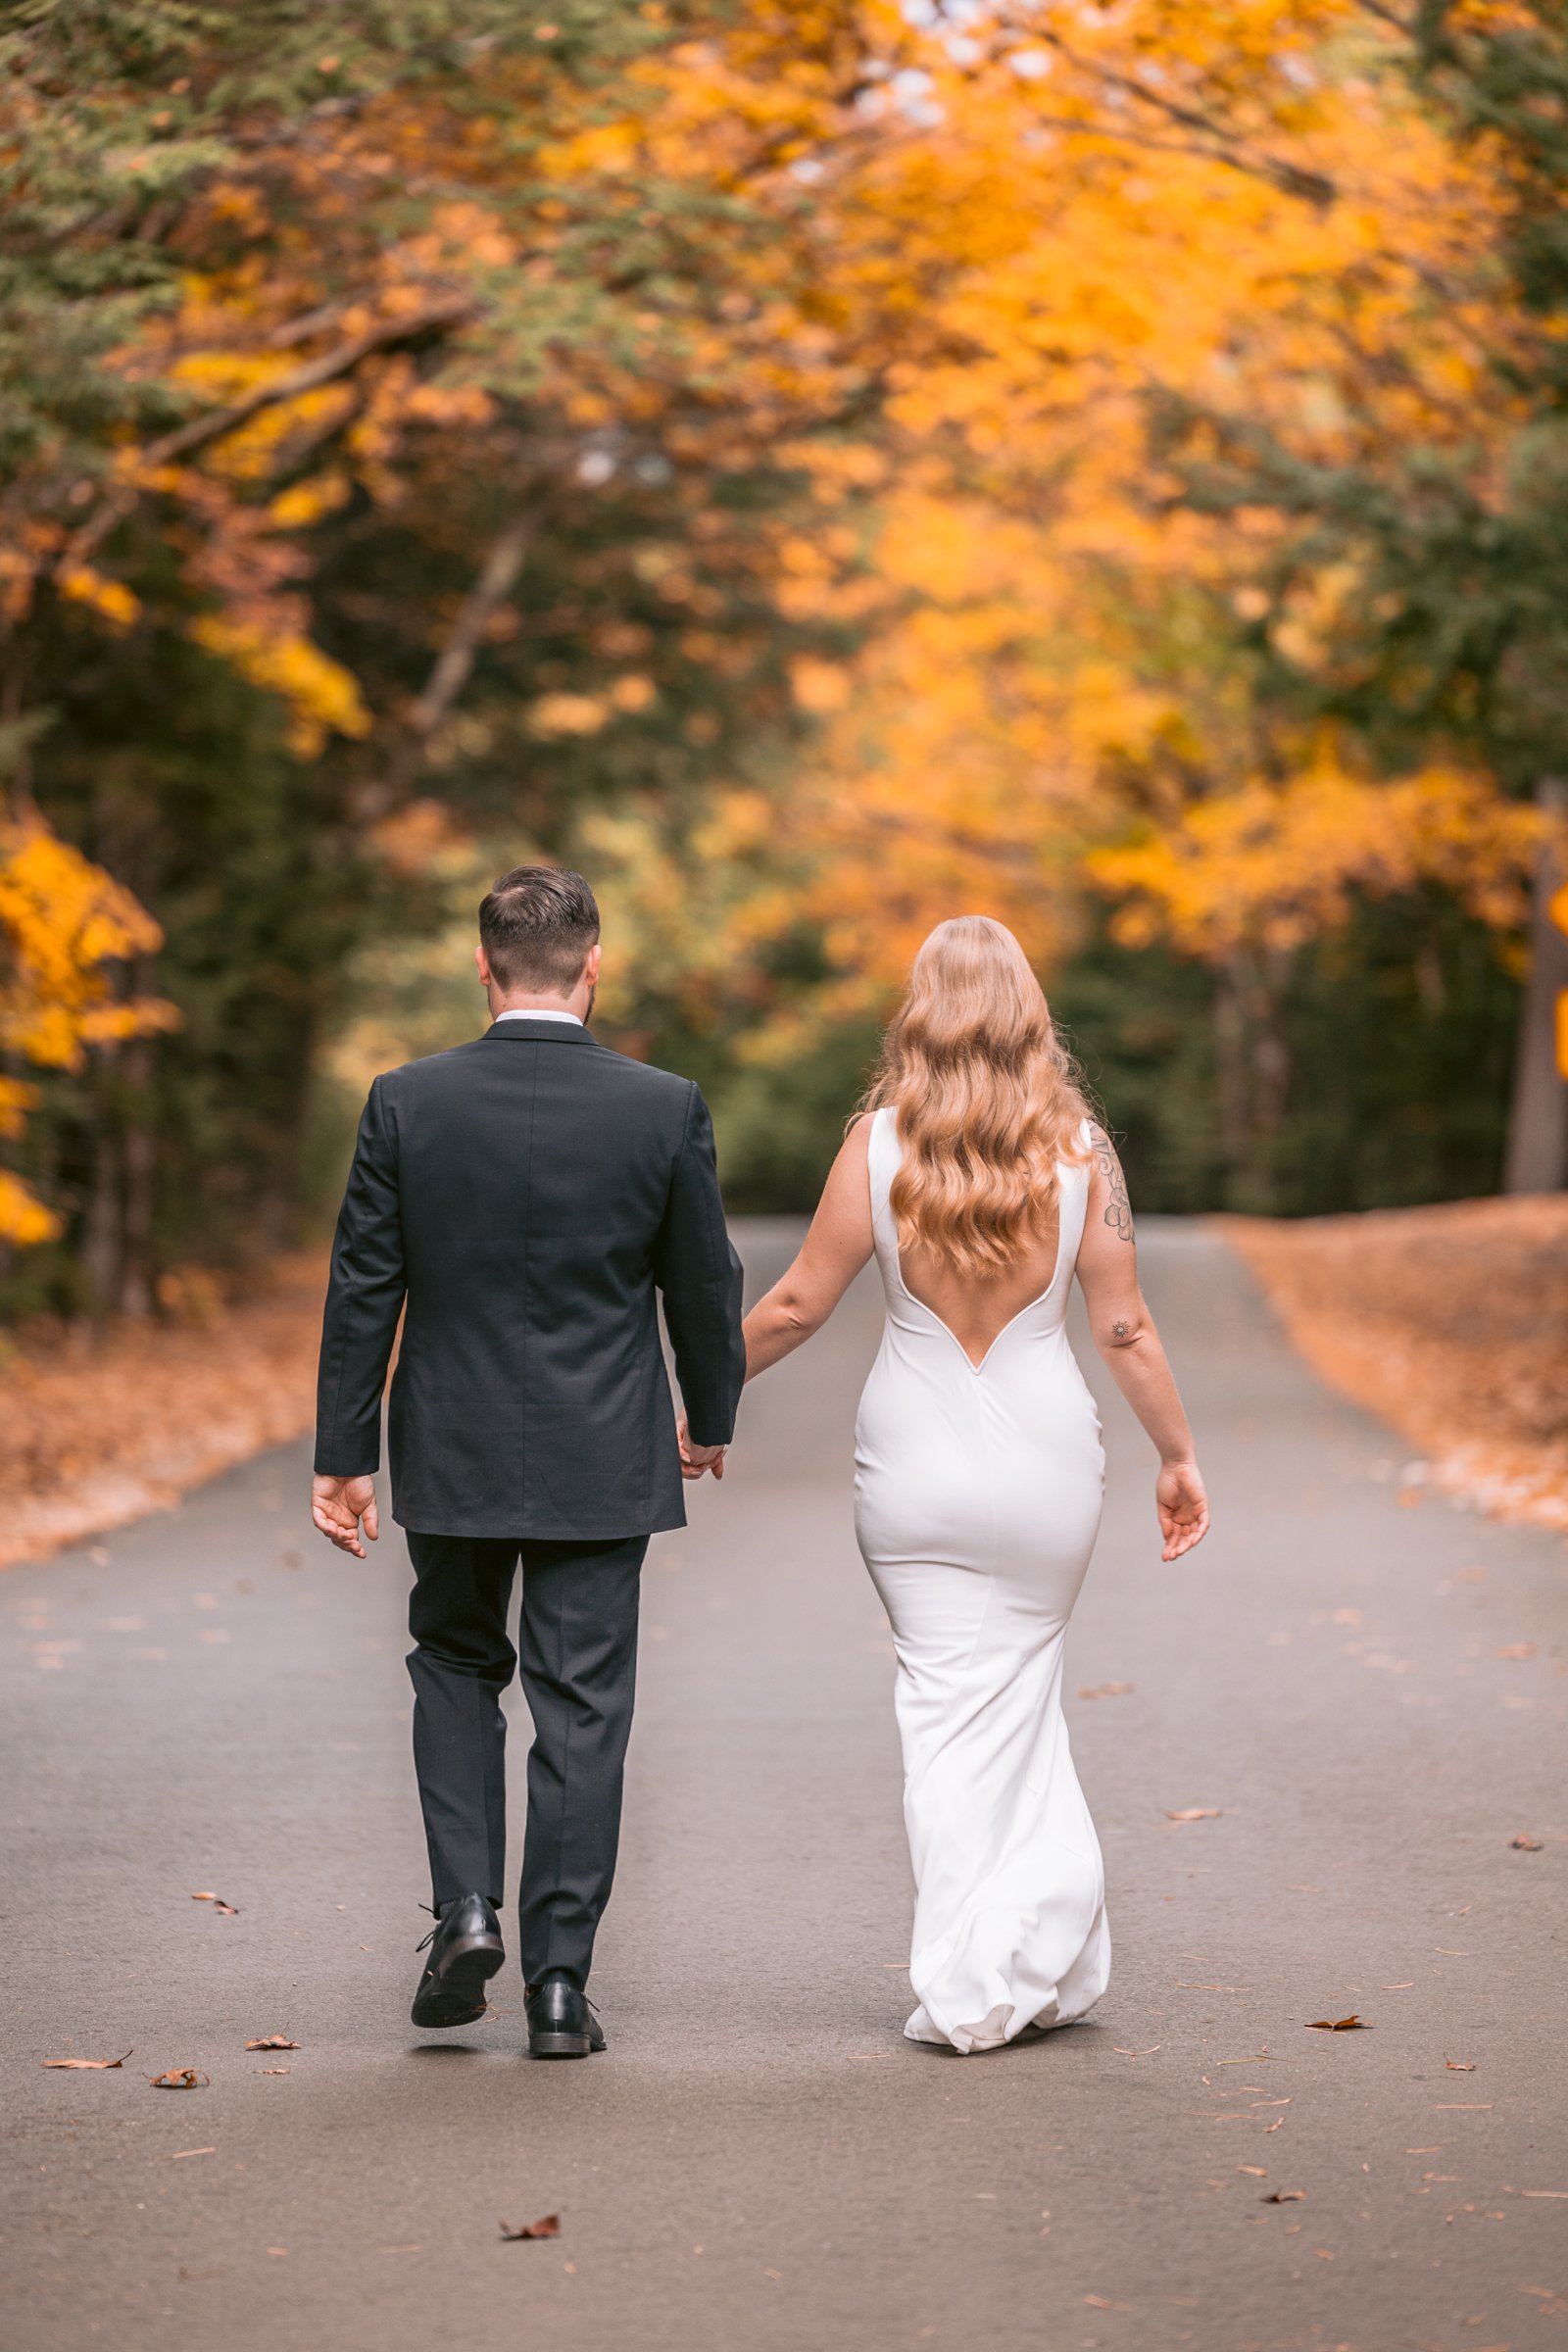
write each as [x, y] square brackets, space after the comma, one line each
[526, 1195]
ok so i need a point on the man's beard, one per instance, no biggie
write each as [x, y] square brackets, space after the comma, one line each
[588, 1014]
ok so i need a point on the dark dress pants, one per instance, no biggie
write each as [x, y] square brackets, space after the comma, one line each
[577, 1639]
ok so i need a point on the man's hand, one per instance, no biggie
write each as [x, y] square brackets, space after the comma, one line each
[695, 1459]
[344, 1510]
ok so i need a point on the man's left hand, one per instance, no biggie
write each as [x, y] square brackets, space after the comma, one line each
[344, 1510]
[695, 1459]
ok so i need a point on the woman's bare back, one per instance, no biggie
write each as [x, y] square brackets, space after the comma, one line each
[976, 1310]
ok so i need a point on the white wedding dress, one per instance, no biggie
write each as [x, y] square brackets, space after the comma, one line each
[978, 1499]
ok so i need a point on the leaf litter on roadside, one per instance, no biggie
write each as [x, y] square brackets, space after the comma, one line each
[179, 2078]
[1460, 2066]
[550, 2227]
[1339, 2025]
[1524, 1843]
[228, 1910]
[1196, 1813]
[88, 2066]
[1283, 2196]
[272, 2041]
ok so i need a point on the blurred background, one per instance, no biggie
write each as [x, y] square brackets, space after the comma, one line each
[817, 468]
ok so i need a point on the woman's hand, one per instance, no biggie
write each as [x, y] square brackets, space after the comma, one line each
[696, 1459]
[1183, 1507]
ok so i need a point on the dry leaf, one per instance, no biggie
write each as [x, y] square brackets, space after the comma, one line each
[179, 2078]
[1524, 1843]
[1259, 2172]
[1196, 1813]
[86, 2066]
[1131, 2053]
[272, 2041]
[1460, 2066]
[1107, 1690]
[1284, 2196]
[550, 2227]
[273, 2069]
[229, 1910]
[180, 2152]
[1338, 2025]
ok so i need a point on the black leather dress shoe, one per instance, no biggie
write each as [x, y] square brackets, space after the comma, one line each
[560, 2021]
[464, 1951]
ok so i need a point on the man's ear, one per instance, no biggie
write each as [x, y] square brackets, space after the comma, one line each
[590, 971]
[481, 965]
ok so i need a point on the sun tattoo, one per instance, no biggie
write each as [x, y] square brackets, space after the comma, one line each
[1118, 1209]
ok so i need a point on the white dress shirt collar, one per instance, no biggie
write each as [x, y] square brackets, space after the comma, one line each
[534, 1012]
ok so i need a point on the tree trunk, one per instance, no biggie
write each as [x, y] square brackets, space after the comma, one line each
[1538, 1121]
[141, 1166]
[102, 1229]
[1230, 1075]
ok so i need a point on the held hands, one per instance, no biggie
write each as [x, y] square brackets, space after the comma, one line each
[1183, 1507]
[695, 1459]
[344, 1510]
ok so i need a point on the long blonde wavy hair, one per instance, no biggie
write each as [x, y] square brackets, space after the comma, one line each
[988, 1099]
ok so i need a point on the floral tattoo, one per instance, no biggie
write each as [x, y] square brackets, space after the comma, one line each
[1118, 1209]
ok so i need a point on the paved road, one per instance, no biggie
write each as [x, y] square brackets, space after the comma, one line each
[208, 1701]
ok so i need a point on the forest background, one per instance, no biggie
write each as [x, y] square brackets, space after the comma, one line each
[818, 468]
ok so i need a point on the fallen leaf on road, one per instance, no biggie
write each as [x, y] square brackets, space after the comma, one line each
[1338, 2025]
[229, 1910]
[1149, 2053]
[1107, 1690]
[86, 2066]
[1275, 2124]
[1259, 2172]
[1460, 2066]
[272, 2041]
[1284, 2196]
[180, 2152]
[179, 2078]
[1524, 1843]
[273, 2070]
[1407, 1987]
[1196, 1813]
[550, 2227]
[1104, 2303]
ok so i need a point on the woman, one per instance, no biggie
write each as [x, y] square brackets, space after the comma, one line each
[977, 1178]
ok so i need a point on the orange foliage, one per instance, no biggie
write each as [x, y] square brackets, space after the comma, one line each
[65, 925]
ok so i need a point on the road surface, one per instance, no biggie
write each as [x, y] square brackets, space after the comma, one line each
[1364, 1685]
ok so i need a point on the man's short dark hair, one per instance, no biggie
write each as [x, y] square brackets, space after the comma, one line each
[537, 926]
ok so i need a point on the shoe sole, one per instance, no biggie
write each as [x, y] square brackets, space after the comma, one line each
[458, 1998]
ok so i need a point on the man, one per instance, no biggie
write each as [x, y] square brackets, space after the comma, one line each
[519, 1200]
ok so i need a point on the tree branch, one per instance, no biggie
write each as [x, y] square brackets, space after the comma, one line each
[198, 431]
[453, 665]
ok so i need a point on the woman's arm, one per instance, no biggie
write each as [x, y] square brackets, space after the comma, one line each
[837, 1246]
[1124, 1332]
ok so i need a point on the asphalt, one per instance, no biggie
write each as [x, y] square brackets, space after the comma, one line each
[1365, 1685]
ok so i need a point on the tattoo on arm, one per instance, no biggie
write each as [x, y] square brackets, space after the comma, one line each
[1118, 1209]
